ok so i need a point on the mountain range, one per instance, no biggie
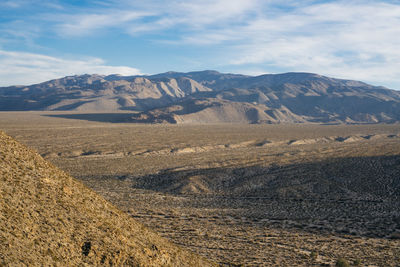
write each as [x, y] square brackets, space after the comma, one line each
[212, 97]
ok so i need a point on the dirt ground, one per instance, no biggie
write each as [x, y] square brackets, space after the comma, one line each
[254, 195]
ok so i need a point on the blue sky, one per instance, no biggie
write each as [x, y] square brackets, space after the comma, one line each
[45, 39]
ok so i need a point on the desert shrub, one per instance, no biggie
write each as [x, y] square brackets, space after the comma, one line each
[313, 255]
[357, 262]
[341, 262]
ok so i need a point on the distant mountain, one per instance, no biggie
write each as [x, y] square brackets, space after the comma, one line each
[212, 97]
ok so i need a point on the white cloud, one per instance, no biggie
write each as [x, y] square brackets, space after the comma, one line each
[207, 12]
[350, 40]
[355, 40]
[17, 4]
[12, 4]
[27, 68]
[133, 17]
[86, 24]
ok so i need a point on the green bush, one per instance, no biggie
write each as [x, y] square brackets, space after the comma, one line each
[357, 262]
[313, 255]
[341, 262]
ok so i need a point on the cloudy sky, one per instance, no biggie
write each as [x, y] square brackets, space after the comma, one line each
[45, 39]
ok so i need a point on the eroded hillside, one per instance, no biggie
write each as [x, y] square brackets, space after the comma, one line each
[212, 97]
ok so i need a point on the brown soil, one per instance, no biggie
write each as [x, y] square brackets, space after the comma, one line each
[257, 195]
[49, 218]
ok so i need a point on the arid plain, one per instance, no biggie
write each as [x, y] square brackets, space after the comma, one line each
[238, 194]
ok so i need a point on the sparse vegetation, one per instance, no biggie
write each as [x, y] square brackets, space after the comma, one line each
[341, 262]
[313, 255]
[175, 179]
[357, 262]
[47, 217]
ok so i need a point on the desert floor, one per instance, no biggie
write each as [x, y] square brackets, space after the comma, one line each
[280, 195]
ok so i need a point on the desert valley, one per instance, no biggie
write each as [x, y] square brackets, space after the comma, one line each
[199, 133]
[285, 170]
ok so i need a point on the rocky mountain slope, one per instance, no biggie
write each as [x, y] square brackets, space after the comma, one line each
[212, 97]
[49, 218]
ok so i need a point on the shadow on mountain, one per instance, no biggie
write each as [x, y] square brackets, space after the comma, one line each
[97, 117]
[292, 97]
[73, 106]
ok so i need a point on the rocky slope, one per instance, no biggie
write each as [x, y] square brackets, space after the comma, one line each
[49, 218]
[211, 97]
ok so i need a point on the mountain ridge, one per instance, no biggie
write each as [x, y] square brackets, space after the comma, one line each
[298, 97]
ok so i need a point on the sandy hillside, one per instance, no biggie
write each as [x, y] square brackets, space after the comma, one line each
[47, 217]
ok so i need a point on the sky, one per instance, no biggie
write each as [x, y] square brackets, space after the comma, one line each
[46, 39]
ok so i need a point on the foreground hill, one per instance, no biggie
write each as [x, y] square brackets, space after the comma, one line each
[48, 218]
[212, 97]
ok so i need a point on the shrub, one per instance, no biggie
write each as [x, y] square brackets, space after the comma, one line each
[341, 262]
[313, 255]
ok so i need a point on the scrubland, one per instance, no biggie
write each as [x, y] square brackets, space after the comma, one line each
[283, 195]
